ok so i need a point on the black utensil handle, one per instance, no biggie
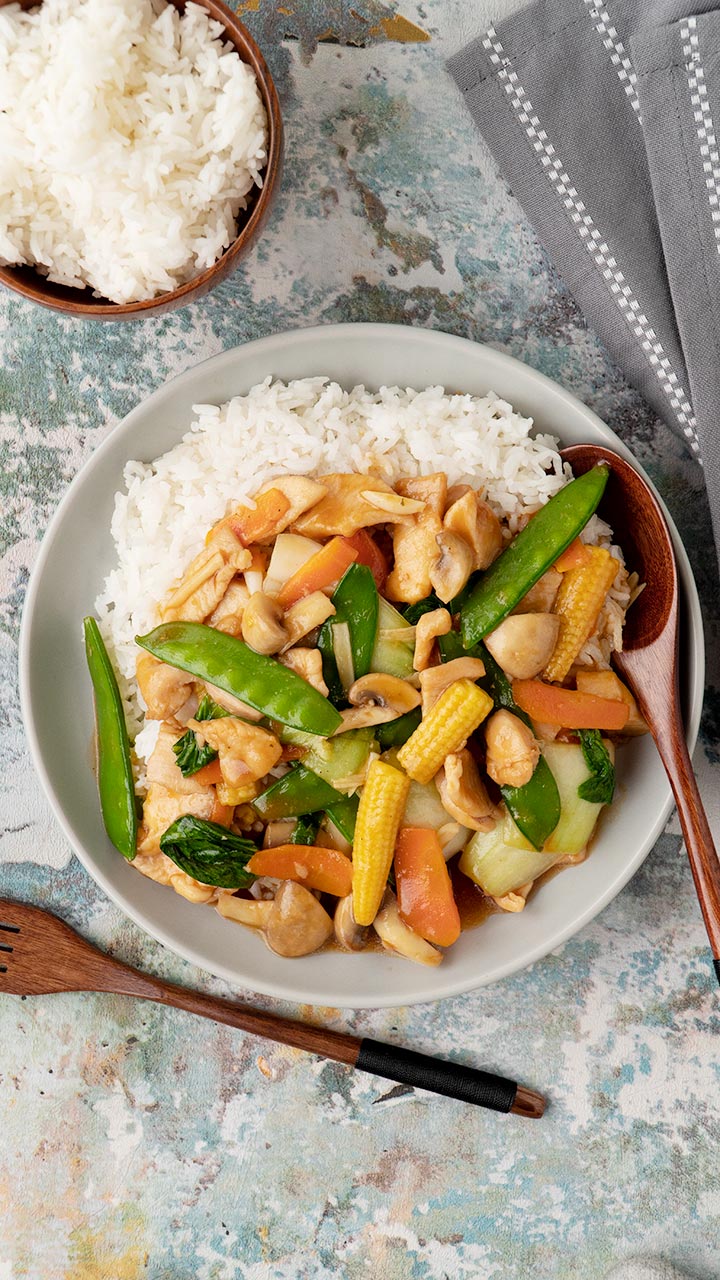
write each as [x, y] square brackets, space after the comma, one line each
[449, 1078]
[717, 969]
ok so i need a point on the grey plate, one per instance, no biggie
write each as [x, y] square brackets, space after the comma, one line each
[77, 553]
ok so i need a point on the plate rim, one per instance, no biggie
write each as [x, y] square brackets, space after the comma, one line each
[263, 347]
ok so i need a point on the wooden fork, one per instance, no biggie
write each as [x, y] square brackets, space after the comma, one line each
[41, 955]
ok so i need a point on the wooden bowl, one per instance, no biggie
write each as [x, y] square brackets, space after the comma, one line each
[30, 284]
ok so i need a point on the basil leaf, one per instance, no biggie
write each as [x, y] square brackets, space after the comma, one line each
[209, 709]
[600, 788]
[306, 829]
[190, 755]
[208, 852]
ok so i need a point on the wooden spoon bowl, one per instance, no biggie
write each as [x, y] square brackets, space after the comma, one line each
[649, 662]
[34, 287]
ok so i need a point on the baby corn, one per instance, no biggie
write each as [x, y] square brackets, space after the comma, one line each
[456, 714]
[382, 804]
[579, 601]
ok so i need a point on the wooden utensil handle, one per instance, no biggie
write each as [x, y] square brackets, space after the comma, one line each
[704, 863]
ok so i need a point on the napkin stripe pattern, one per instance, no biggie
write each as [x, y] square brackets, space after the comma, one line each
[596, 246]
[618, 53]
[703, 120]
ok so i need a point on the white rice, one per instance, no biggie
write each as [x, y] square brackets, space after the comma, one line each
[310, 426]
[130, 137]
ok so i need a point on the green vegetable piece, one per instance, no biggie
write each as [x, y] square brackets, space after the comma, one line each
[341, 757]
[392, 657]
[535, 808]
[190, 756]
[306, 829]
[208, 852]
[498, 867]
[396, 732]
[356, 602]
[114, 774]
[531, 553]
[414, 612]
[344, 816]
[600, 787]
[578, 817]
[232, 665]
[209, 709]
[301, 791]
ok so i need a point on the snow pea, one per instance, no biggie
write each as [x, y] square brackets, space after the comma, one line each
[114, 774]
[396, 732]
[356, 602]
[534, 808]
[299, 792]
[229, 663]
[531, 553]
[344, 815]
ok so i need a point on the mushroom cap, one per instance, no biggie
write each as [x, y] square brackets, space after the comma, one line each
[351, 935]
[381, 690]
[262, 624]
[453, 566]
[297, 924]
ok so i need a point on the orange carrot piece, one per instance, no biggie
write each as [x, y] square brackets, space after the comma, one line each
[254, 525]
[323, 569]
[222, 813]
[209, 775]
[424, 889]
[551, 704]
[370, 554]
[573, 557]
[310, 865]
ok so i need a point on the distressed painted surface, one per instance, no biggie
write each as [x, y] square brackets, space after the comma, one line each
[149, 1145]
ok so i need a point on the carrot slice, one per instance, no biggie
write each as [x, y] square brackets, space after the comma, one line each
[551, 704]
[254, 525]
[573, 557]
[209, 775]
[322, 570]
[222, 814]
[316, 868]
[370, 554]
[424, 889]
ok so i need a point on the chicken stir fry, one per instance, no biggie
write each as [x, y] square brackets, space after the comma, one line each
[362, 692]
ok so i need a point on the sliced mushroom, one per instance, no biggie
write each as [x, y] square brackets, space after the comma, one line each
[512, 752]
[523, 643]
[381, 690]
[453, 567]
[308, 664]
[164, 689]
[414, 543]
[364, 718]
[297, 924]
[351, 935]
[230, 703]
[249, 911]
[307, 614]
[246, 751]
[474, 521]
[435, 680]
[463, 792]
[541, 597]
[262, 624]
[396, 936]
[431, 625]
[278, 832]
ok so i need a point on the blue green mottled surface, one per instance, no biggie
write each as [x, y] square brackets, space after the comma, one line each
[136, 1142]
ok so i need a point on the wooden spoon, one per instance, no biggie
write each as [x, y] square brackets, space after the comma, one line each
[40, 955]
[649, 660]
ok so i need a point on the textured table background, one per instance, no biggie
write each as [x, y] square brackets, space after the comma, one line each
[136, 1142]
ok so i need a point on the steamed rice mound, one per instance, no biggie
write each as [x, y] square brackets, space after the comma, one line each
[130, 140]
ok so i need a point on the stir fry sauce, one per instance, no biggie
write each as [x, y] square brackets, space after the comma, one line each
[380, 714]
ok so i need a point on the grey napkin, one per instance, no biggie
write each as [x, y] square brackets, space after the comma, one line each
[604, 115]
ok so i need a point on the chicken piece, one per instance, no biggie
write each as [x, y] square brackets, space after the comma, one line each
[246, 751]
[207, 578]
[516, 899]
[473, 520]
[436, 623]
[308, 664]
[435, 680]
[164, 689]
[305, 615]
[161, 869]
[162, 767]
[230, 703]
[457, 491]
[512, 752]
[415, 543]
[228, 615]
[302, 493]
[541, 597]
[523, 643]
[463, 792]
[162, 807]
[343, 510]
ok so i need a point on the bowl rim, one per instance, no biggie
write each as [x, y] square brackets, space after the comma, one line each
[288, 990]
[246, 46]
